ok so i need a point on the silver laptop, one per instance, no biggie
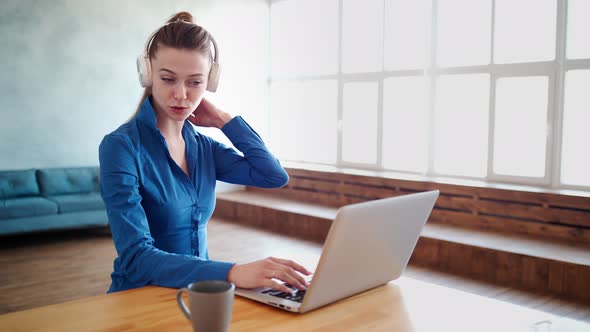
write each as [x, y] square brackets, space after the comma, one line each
[368, 245]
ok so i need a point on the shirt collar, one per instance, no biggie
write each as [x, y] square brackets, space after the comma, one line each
[147, 116]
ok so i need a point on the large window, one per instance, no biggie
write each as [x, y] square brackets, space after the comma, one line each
[491, 90]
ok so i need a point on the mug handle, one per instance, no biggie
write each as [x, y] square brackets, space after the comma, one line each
[181, 304]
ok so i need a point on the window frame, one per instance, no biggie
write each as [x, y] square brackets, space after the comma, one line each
[555, 70]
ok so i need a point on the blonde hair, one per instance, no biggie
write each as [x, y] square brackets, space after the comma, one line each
[178, 34]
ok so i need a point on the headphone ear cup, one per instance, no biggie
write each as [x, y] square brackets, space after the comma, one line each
[143, 71]
[213, 80]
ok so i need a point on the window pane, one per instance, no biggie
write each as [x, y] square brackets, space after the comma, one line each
[362, 39]
[520, 127]
[405, 124]
[578, 25]
[461, 125]
[304, 37]
[575, 162]
[524, 30]
[464, 32]
[407, 31]
[359, 132]
[303, 120]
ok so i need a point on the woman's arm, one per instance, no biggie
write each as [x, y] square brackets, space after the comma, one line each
[139, 260]
[257, 167]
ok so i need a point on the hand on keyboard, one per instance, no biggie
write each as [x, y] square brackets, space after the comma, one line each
[296, 295]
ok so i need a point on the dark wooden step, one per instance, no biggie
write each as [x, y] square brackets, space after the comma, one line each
[562, 215]
[512, 260]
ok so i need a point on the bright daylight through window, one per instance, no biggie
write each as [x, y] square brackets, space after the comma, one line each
[454, 88]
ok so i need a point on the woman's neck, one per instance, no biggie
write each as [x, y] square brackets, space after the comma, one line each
[170, 129]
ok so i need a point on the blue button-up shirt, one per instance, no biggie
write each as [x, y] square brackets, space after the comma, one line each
[157, 213]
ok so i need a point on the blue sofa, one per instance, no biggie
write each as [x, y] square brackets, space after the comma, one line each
[34, 200]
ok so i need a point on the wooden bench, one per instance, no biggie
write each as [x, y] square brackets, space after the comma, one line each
[522, 239]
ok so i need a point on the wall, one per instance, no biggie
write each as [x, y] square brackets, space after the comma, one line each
[69, 76]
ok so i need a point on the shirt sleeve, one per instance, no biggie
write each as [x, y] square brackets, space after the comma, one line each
[257, 167]
[139, 260]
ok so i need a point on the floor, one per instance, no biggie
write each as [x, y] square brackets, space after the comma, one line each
[42, 269]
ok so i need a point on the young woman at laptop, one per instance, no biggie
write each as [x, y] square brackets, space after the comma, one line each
[158, 174]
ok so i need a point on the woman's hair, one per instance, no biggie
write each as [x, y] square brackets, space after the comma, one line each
[181, 33]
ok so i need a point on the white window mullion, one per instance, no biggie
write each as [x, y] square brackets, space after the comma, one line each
[380, 97]
[432, 87]
[340, 93]
[379, 162]
[491, 125]
[492, 101]
[269, 76]
[556, 116]
[576, 64]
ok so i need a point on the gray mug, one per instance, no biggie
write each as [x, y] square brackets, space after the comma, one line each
[210, 303]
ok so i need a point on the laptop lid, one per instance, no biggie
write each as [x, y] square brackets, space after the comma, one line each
[368, 245]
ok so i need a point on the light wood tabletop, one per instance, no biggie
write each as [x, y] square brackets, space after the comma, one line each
[402, 305]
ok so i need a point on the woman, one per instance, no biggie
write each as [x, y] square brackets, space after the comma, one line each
[157, 174]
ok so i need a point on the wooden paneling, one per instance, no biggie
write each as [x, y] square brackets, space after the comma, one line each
[510, 225]
[278, 221]
[551, 215]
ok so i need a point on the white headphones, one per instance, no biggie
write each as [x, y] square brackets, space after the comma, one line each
[144, 68]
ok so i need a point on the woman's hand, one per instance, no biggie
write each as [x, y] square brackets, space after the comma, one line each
[261, 274]
[207, 115]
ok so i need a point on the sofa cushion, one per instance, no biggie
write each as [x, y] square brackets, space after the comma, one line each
[26, 207]
[54, 222]
[78, 202]
[96, 178]
[75, 180]
[18, 183]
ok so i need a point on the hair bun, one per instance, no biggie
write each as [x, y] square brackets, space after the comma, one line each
[181, 16]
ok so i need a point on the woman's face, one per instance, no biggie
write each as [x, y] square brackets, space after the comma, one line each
[179, 81]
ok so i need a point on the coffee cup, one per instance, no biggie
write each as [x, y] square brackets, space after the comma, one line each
[210, 304]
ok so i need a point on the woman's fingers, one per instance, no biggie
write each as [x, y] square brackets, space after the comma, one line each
[262, 273]
[292, 278]
[288, 272]
[275, 285]
[291, 264]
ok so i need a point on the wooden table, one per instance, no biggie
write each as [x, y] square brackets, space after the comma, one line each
[402, 305]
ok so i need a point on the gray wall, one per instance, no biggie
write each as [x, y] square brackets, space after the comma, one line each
[68, 77]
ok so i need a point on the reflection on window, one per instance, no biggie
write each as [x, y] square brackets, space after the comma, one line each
[405, 124]
[359, 134]
[575, 158]
[461, 125]
[520, 127]
[524, 31]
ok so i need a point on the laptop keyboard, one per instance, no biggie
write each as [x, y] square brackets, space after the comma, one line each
[296, 296]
